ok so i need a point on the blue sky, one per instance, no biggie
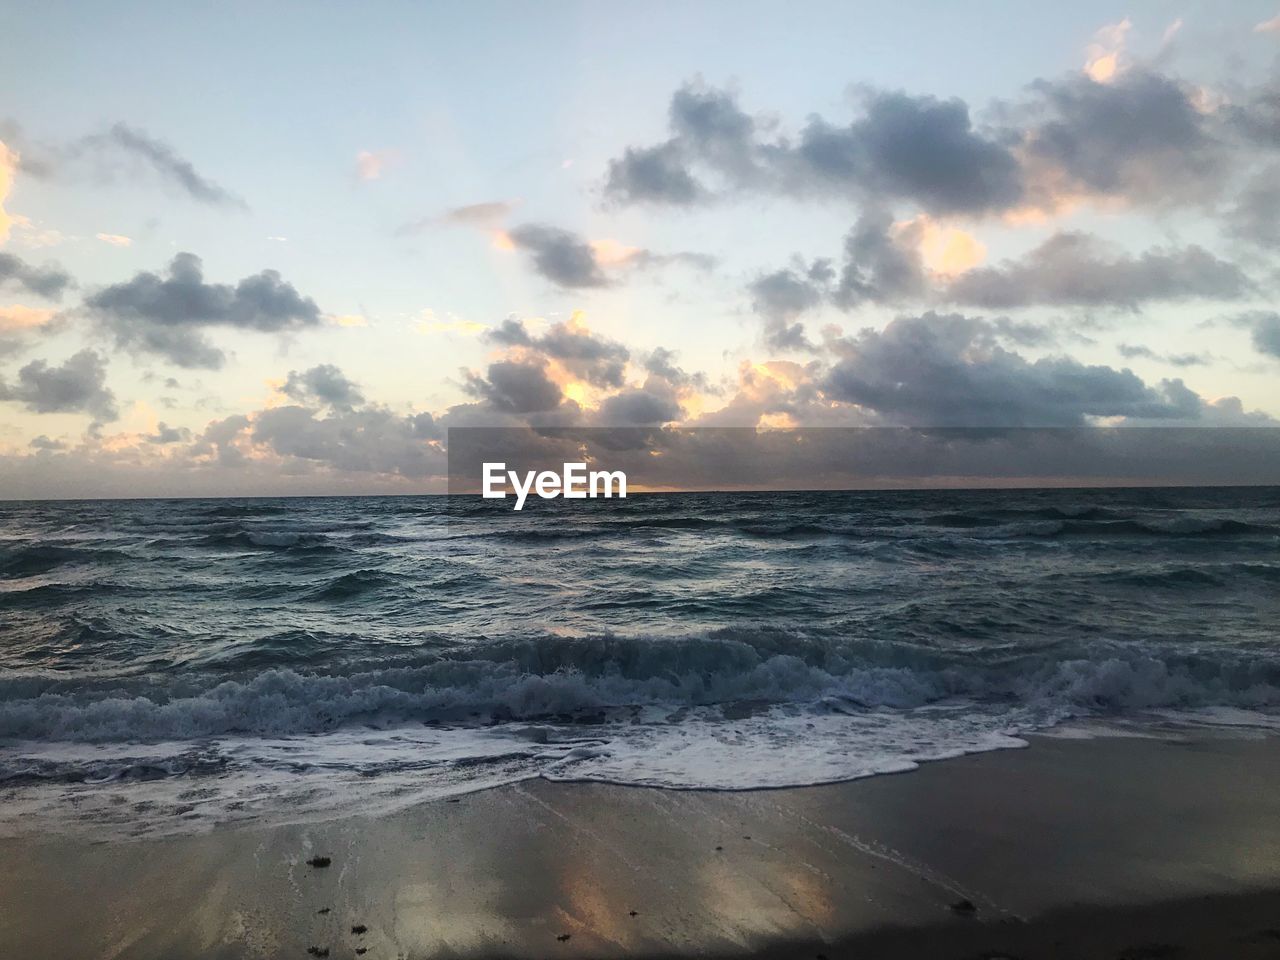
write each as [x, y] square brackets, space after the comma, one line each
[330, 143]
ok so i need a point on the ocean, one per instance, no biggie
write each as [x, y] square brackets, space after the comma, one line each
[176, 665]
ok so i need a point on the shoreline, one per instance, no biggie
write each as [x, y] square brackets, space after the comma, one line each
[1069, 848]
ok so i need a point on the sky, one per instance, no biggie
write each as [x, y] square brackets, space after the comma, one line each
[280, 248]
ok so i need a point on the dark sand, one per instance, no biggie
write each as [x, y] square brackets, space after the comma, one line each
[1101, 849]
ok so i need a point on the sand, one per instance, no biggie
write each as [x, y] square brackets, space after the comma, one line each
[1104, 848]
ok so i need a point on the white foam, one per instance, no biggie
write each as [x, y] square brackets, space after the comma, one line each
[177, 786]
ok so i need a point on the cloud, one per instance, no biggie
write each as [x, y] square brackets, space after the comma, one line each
[562, 257]
[880, 267]
[368, 165]
[1264, 327]
[884, 263]
[1139, 138]
[48, 281]
[430, 323]
[165, 434]
[574, 262]
[20, 324]
[77, 386]
[950, 370]
[166, 315]
[479, 213]
[17, 318]
[782, 296]
[1116, 134]
[516, 387]
[487, 215]
[371, 440]
[917, 149]
[115, 239]
[1076, 269]
[653, 175]
[661, 363]
[348, 320]
[8, 170]
[1268, 26]
[1132, 351]
[638, 407]
[595, 359]
[1104, 53]
[170, 167]
[1255, 216]
[325, 385]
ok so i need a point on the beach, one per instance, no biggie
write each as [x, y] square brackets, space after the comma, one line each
[1154, 846]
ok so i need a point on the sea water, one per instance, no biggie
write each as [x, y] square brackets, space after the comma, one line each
[172, 665]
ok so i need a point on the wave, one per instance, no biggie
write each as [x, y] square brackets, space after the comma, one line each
[565, 678]
[244, 510]
[270, 540]
[34, 559]
[353, 585]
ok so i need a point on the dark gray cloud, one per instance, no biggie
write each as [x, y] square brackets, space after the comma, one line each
[166, 315]
[570, 261]
[160, 158]
[561, 256]
[516, 387]
[1076, 269]
[48, 281]
[598, 360]
[166, 434]
[784, 295]
[950, 370]
[1131, 351]
[1264, 329]
[1255, 216]
[43, 442]
[1257, 116]
[661, 364]
[653, 175]
[1138, 136]
[638, 407]
[326, 385]
[883, 266]
[917, 149]
[77, 386]
[879, 268]
[367, 440]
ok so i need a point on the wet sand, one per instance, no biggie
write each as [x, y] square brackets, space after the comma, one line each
[1109, 848]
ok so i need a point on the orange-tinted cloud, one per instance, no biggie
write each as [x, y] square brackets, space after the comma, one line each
[8, 168]
[947, 251]
[18, 317]
[1104, 56]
